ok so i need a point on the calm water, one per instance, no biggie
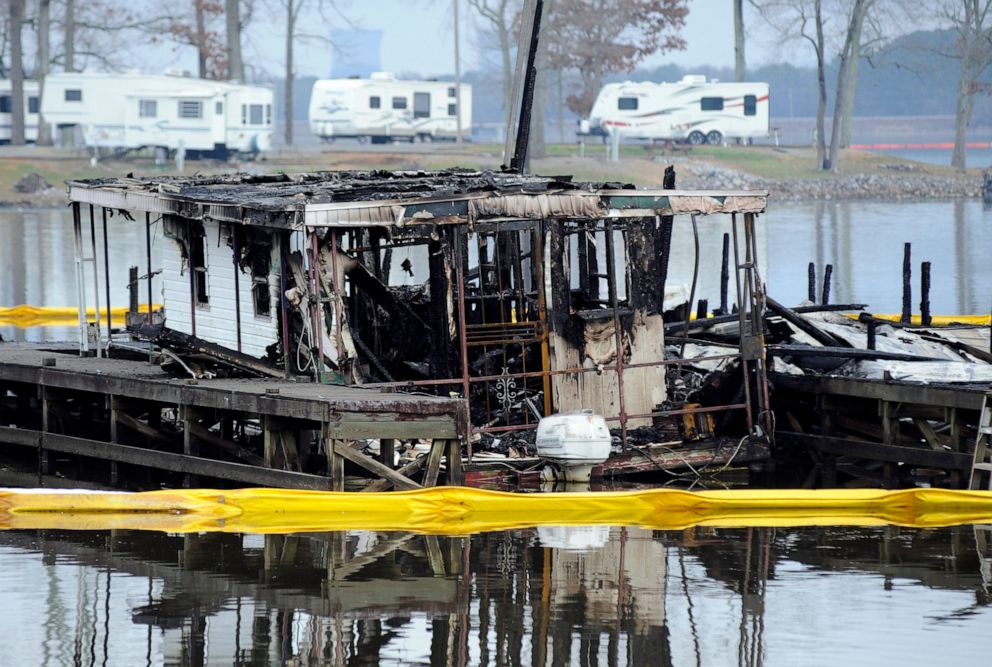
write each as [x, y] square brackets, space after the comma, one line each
[548, 596]
[863, 241]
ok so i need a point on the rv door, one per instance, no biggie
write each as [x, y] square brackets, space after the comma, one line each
[421, 105]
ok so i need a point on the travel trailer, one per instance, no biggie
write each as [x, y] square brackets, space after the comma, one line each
[125, 112]
[30, 111]
[384, 108]
[693, 110]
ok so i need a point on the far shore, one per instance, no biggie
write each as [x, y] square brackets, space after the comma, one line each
[786, 173]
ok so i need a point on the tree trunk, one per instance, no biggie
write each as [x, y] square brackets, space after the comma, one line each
[821, 107]
[16, 74]
[69, 36]
[740, 69]
[840, 101]
[41, 69]
[962, 113]
[201, 38]
[290, 29]
[851, 86]
[235, 66]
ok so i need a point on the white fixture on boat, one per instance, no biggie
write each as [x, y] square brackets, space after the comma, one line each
[574, 538]
[575, 442]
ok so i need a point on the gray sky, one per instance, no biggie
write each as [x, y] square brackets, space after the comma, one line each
[417, 37]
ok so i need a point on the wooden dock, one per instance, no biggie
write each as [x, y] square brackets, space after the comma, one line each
[269, 432]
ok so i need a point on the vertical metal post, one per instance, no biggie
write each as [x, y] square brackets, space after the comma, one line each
[236, 256]
[318, 310]
[84, 343]
[106, 273]
[741, 323]
[758, 319]
[96, 283]
[337, 285]
[611, 284]
[148, 261]
[463, 339]
[283, 305]
[537, 260]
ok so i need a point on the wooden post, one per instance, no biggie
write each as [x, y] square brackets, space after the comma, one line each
[907, 287]
[434, 463]
[925, 294]
[702, 309]
[44, 464]
[724, 275]
[828, 272]
[456, 476]
[387, 452]
[811, 282]
[190, 448]
[112, 402]
[336, 465]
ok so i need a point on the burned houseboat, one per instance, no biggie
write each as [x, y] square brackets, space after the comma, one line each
[522, 295]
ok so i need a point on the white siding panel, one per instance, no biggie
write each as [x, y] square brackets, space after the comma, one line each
[217, 322]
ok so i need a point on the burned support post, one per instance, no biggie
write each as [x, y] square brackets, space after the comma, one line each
[77, 230]
[148, 261]
[96, 283]
[925, 319]
[724, 274]
[746, 376]
[192, 276]
[702, 309]
[907, 288]
[236, 257]
[106, 272]
[611, 281]
[828, 273]
[872, 325]
[811, 282]
[664, 240]
[132, 289]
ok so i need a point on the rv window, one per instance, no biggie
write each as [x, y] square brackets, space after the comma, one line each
[260, 265]
[452, 109]
[219, 108]
[190, 109]
[147, 108]
[198, 263]
[244, 114]
[73, 95]
[421, 105]
[399, 103]
[374, 102]
[255, 114]
[268, 114]
[711, 104]
[451, 92]
[33, 104]
[750, 105]
[627, 104]
[5, 104]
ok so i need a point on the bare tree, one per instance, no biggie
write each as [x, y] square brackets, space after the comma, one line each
[16, 8]
[292, 8]
[235, 65]
[740, 69]
[44, 137]
[972, 21]
[203, 35]
[803, 20]
[69, 37]
[499, 15]
[845, 84]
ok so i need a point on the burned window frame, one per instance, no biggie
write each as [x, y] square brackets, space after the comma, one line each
[197, 257]
[260, 267]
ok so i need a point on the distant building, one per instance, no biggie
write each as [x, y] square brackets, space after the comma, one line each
[355, 53]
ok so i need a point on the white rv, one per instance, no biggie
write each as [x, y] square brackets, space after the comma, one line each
[383, 108]
[123, 112]
[693, 110]
[30, 111]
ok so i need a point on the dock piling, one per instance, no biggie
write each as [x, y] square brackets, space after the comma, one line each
[907, 288]
[925, 319]
[811, 282]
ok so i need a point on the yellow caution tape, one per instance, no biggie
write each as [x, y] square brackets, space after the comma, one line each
[25, 316]
[460, 510]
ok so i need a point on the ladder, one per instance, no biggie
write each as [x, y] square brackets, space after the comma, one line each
[981, 466]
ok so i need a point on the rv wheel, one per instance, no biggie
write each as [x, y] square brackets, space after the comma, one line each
[714, 138]
[696, 137]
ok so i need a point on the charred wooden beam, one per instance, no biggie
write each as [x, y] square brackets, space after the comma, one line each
[803, 324]
[913, 456]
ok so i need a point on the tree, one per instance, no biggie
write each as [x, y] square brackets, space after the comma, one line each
[845, 82]
[69, 37]
[499, 15]
[211, 50]
[44, 137]
[972, 23]
[597, 37]
[16, 73]
[740, 69]
[803, 20]
[235, 65]
[293, 8]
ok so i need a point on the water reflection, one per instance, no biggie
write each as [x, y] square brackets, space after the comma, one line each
[587, 596]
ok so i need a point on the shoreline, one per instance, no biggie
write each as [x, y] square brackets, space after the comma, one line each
[786, 173]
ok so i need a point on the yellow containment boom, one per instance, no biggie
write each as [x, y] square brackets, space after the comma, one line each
[460, 510]
[25, 316]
